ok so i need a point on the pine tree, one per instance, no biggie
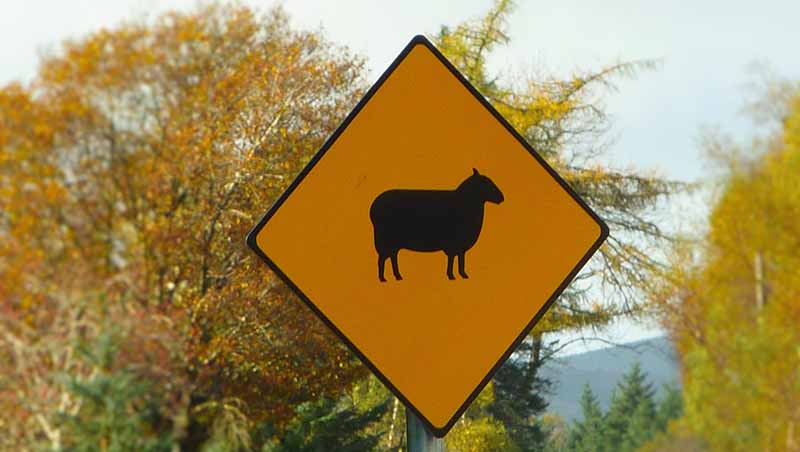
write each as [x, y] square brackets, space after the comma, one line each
[519, 397]
[641, 426]
[588, 435]
[634, 390]
[322, 425]
[670, 407]
[118, 409]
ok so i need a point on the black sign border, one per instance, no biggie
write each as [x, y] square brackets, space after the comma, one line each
[251, 237]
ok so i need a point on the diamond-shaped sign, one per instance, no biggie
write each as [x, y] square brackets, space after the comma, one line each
[428, 235]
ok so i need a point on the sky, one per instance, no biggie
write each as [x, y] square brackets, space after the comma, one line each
[704, 48]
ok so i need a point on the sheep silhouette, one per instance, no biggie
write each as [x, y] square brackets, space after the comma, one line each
[431, 220]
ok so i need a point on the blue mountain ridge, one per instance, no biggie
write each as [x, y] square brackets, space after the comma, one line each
[603, 368]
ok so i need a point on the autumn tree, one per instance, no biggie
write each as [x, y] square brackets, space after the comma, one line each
[730, 297]
[479, 431]
[564, 120]
[132, 167]
[135, 162]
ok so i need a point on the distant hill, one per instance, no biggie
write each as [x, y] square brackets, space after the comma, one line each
[602, 369]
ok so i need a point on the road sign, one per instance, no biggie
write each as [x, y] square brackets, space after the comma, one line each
[428, 235]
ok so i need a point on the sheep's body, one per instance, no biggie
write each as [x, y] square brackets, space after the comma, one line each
[426, 220]
[431, 220]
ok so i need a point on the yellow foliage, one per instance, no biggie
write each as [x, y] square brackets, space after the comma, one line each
[563, 122]
[732, 303]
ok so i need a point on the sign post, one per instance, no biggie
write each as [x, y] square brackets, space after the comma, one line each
[418, 438]
[428, 234]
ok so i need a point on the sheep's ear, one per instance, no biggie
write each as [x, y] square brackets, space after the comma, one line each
[475, 172]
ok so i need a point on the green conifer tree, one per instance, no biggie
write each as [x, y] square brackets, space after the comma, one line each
[588, 435]
[634, 390]
[670, 407]
[519, 398]
[323, 425]
[119, 409]
[641, 426]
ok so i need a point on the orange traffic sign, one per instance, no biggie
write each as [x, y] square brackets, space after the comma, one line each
[428, 235]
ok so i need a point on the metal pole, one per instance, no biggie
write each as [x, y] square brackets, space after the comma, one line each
[418, 437]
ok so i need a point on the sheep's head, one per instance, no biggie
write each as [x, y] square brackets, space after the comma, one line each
[482, 187]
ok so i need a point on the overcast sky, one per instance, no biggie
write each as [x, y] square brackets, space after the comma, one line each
[705, 48]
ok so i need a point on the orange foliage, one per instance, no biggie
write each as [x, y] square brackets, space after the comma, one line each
[130, 171]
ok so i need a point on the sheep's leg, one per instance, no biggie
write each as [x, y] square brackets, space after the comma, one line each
[395, 269]
[381, 262]
[461, 266]
[450, 258]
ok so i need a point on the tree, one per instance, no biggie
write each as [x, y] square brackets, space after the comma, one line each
[478, 430]
[131, 168]
[632, 420]
[641, 427]
[140, 155]
[557, 433]
[118, 409]
[670, 407]
[729, 297]
[564, 122]
[519, 396]
[677, 439]
[322, 426]
[632, 412]
[588, 435]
